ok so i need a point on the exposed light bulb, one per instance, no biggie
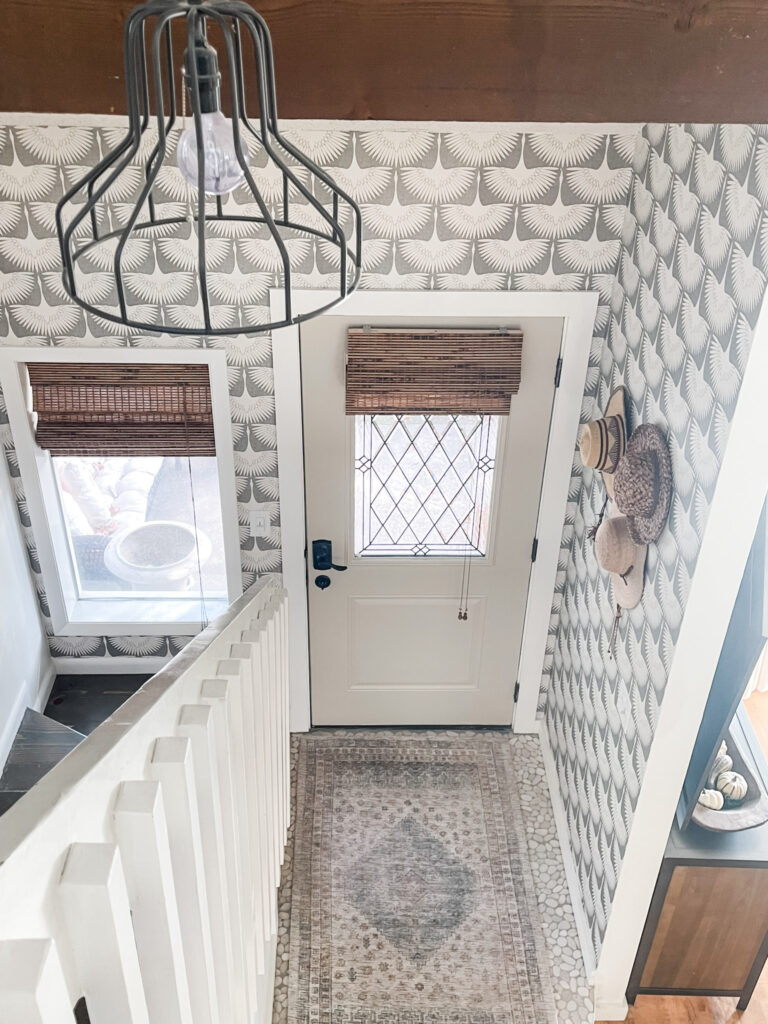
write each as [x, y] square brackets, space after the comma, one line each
[222, 172]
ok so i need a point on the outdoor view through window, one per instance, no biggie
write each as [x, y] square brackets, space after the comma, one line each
[143, 526]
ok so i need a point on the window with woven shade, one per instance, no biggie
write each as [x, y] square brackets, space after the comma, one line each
[122, 409]
[432, 371]
[427, 405]
[131, 500]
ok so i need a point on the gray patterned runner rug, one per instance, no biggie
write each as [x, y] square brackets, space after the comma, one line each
[412, 894]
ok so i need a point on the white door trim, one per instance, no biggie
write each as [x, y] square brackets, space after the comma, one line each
[578, 312]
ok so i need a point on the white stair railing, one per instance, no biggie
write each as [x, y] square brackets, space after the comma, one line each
[141, 873]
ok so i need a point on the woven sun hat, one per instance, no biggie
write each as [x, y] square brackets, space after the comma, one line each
[604, 441]
[643, 483]
[619, 555]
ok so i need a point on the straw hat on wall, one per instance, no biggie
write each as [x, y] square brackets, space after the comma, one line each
[604, 441]
[643, 483]
[620, 556]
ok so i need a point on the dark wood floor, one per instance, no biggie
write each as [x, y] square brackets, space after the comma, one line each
[83, 702]
[77, 704]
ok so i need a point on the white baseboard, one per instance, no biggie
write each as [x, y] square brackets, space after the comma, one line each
[571, 874]
[27, 697]
[47, 680]
[265, 983]
[11, 726]
[609, 1010]
[109, 666]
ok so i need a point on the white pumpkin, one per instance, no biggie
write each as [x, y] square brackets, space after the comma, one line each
[711, 798]
[722, 763]
[732, 785]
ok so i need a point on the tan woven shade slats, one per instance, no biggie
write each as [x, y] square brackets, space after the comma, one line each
[122, 409]
[432, 371]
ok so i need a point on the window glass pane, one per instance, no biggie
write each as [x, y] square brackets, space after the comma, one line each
[423, 484]
[143, 526]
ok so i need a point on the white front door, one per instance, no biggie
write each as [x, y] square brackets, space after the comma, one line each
[402, 500]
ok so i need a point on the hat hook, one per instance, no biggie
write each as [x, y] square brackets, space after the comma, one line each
[592, 532]
[614, 631]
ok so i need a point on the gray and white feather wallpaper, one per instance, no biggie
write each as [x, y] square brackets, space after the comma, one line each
[473, 208]
[668, 226]
[681, 307]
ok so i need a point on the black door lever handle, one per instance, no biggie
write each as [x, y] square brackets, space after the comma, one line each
[322, 557]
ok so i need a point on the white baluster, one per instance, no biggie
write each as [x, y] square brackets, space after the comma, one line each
[171, 765]
[282, 724]
[32, 986]
[286, 702]
[94, 901]
[196, 723]
[277, 730]
[257, 716]
[215, 694]
[142, 836]
[253, 946]
[269, 673]
[238, 669]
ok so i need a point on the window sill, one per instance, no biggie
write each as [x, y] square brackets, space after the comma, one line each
[142, 617]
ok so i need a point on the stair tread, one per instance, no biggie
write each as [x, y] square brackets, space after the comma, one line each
[40, 744]
[37, 724]
[9, 797]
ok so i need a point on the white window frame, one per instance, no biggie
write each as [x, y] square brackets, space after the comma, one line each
[70, 614]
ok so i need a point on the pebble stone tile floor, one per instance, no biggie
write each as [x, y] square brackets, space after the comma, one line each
[572, 994]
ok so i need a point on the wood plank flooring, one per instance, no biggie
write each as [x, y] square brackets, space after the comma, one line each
[701, 1009]
[77, 704]
[83, 702]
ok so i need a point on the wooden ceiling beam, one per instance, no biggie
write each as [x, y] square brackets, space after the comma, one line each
[478, 60]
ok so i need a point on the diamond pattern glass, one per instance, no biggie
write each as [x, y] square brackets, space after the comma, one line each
[423, 484]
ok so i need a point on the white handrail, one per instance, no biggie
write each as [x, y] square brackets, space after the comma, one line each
[141, 872]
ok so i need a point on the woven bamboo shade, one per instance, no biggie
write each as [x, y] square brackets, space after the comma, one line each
[432, 371]
[122, 409]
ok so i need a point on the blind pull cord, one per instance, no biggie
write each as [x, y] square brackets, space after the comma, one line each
[473, 542]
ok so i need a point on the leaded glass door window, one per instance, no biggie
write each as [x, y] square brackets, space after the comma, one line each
[424, 484]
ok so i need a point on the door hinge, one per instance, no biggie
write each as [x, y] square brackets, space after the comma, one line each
[517, 691]
[558, 370]
[534, 549]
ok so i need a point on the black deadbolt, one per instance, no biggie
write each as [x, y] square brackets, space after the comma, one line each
[322, 582]
[322, 556]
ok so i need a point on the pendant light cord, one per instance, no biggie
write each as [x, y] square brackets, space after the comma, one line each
[203, 606]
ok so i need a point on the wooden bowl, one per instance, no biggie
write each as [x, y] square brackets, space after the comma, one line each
[753, 809]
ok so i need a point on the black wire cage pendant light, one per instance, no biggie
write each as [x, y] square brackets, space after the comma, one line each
[220, 158]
